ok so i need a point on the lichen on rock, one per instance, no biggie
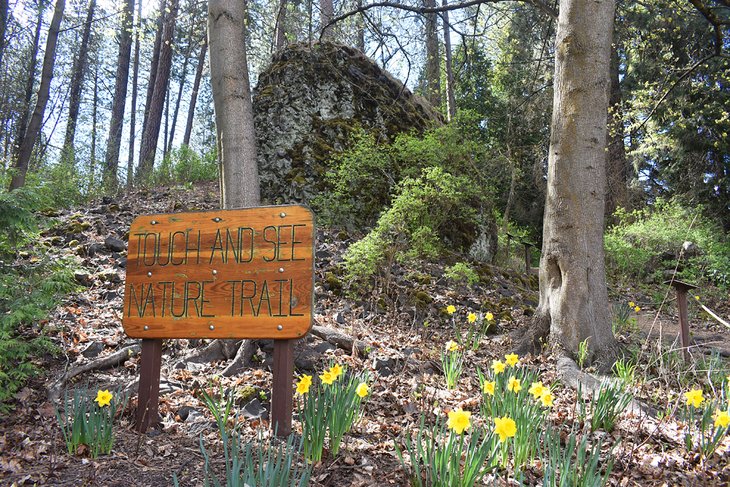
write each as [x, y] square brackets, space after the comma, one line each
[310, 101]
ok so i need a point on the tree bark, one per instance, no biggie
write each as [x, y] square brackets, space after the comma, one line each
[280, 28]
[152, 129]
[233, 118]
[232, 101]
[433, 68]
[77, 81]
[114, 140]
[326, 14]
[617, 167]
[4, 9]
[133, 107]
[450, 98]
[22, 124]
[181, 87]
[153, 64]
[34, 127]
[194, 95]
[94, 118]
[573, 295]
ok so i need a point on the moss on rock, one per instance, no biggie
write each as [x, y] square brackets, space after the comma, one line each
[308, 104]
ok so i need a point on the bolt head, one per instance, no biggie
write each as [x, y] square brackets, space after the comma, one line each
[282, 214]
[280, 327]
[146, 327]
[149, 274]
[211, 327]
[215, 272]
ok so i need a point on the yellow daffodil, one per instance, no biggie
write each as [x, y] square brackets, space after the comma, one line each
[451, 309]
[514, 385]
[694, 397]
[632, 304]
[451, 346]
[305, 382]
[327, 377]
[498, 366]
[637, 309]
[547, 398]
[489, 316]
[362, 389]
[103, 398]
[697, 297]
[459, 420]
[536, 389]
[505, 427]
[512, 359]
[722, 419]
[488, 387]
[471, 318]
[336, 370]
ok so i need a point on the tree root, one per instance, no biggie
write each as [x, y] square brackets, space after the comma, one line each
[112, 360]
[589, 385]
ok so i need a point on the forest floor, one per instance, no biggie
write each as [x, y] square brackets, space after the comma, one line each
[404, 326]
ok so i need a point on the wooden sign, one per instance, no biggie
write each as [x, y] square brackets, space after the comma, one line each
[245, 273]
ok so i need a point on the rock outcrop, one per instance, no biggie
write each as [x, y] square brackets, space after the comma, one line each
[310, 101]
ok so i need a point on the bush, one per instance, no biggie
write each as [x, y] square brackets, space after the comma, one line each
[183, 165]
[28, 290]
[644, 243]
[430, 213]
[366, 179]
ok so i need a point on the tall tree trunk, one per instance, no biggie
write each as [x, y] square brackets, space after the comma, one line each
[233, 119]
[4, 9]
[573, 295]
[34, 127]
[151, 131]
[181, 87]
[232, 101]
[360, 25]
[116, 124]
[77, 81]
[22, 125]
[450, 98]
[167, 123]
[433, 69]
[326, 14]
[94, 118]
[280, 28]
[153, 64]
[133, 107]
[194, 95]
[617, 167]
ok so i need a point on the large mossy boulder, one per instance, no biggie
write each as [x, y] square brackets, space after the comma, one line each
[309, 103]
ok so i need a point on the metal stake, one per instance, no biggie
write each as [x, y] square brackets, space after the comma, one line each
[282, 395]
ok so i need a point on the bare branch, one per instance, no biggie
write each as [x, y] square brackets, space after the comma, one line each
[540, 4]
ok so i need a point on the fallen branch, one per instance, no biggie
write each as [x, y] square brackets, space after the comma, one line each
[112, 360]
[342, 340]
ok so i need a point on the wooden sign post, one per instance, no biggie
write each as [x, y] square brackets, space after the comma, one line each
[245, 273]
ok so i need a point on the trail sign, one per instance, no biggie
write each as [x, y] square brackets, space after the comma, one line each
[246, 273]
[222, 274]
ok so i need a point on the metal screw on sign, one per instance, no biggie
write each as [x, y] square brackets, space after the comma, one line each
[154, 222]
[281, 269]
[215, 272]
[211, 327]
[217, 219]
[280, 327]
[282, 214]
[149, 274]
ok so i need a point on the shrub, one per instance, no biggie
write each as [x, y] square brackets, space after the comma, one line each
[646, 242]
[428, 214]
[366, 179]
[461, 273]
[183, 165]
